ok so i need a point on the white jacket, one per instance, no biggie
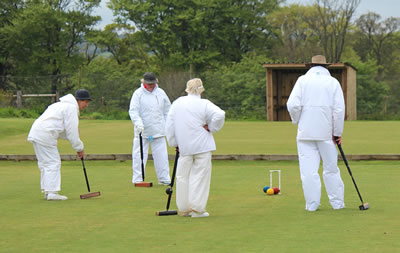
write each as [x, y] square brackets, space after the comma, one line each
[60, 120]
[316, 104]
[185, 121]
[150, 110]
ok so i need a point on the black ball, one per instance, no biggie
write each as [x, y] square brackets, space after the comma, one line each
[168, 191]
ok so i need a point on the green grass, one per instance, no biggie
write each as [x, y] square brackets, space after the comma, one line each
[243, 218]
[237, 137]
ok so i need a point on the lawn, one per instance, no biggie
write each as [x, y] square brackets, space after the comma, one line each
[243, 218]
[237, 137]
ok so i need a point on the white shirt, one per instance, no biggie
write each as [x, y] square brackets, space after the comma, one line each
[316, 104]
[185, 121]
[150, 110]
[60, 120]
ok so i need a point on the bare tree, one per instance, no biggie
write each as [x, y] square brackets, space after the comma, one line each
[331, 24]
[377, 33]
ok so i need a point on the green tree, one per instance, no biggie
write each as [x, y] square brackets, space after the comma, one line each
[44, 38]
[239, 88]
[297, 41]
[8, 10]
[199, 32]
[376, 39]
[331, 22]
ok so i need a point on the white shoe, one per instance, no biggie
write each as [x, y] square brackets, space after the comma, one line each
[55, 196]
[185, 214]
[164, 183]
[200, 215]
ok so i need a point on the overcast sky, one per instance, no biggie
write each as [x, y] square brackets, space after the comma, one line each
[385, 8]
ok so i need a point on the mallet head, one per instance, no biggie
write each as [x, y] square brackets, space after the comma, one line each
[90, 195]
[144, 184]
[166, 213]
[364, 206]
[168, 190]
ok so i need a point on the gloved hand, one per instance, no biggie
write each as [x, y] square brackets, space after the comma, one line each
[139, 129]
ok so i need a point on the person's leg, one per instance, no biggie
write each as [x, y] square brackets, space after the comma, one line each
[309, 160]
[333, 182]
[160, 158]
[199, 182]
[136, 160]
[182, 184]
[49, 163]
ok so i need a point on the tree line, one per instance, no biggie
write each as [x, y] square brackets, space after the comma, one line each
[49, 46]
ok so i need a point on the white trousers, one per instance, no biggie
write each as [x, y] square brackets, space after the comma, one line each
[160, 158]
[193, 177]
[310, 153]
[49, 163]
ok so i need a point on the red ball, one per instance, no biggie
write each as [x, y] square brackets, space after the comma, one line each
[276, 190]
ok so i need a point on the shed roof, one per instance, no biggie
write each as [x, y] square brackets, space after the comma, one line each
[280, 65]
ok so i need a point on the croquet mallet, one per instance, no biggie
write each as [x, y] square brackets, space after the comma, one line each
[169, 191]
[143, 183]
[363, 206]
[90, 194]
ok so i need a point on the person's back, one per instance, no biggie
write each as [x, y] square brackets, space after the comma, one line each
[319, 98]
[191, 113]
[59, 120]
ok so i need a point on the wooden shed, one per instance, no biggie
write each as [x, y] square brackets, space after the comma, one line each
[281, 78]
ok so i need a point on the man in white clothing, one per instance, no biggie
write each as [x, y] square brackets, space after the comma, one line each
[316, 105]
[60, 120]
[148, 110]
[190, 124]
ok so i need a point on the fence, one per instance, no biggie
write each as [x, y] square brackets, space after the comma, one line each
[19, 97]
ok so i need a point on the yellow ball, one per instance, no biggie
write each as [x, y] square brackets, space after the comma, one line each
[270, 191]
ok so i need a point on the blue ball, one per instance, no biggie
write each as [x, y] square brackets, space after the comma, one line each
[265, 189]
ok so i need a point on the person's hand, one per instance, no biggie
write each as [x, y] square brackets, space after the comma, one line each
[206, 128]
[337, 139]
[139, 129]
[80, 154]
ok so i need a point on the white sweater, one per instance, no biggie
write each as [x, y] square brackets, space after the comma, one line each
[185, 121]
[149, 109]
[60, 120]
[316, 104]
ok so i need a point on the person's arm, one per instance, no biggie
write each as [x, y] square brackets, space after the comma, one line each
[294, 103]
[170, 128]
[215, 118]
[338, 112]
[71, 124]
[167, 106]
[134, 112]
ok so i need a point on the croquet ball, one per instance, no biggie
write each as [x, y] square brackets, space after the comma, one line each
[270, 191]
[276, 190]
[265, 189]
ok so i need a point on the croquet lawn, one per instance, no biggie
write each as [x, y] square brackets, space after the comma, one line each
[242, 218]
[236, 137]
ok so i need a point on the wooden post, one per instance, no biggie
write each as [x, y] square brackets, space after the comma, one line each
[57, 98]
[19, 99]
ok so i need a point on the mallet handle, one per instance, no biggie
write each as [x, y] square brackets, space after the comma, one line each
[84, 170]
[173, 179]
[141, 154]
[348, 169]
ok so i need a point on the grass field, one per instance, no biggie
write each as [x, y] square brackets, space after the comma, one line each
[243, 218]
[237, 137]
